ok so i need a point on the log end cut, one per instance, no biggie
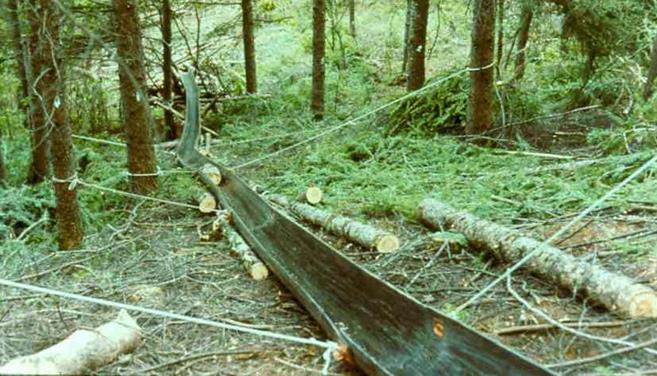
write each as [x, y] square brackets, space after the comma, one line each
[643, 305]
[207, 203]
[312, 195]
[387, 243]
[258, 271]
[212, 172]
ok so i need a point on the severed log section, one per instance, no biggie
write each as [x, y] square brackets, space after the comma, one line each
[365, 235]
[383, 330]
[257, 270]
[616, 292]
[82, 352]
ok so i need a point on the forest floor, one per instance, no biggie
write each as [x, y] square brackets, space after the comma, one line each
[153, 255]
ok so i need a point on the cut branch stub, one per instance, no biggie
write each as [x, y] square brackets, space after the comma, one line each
[207, 203]
[617, 292]
[212, 172]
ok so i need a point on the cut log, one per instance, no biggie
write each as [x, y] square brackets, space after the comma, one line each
[363, 234]
[256, 268]
[312, 195]
[617, 292]
[212, 172]
[82, 352]
[207, 203]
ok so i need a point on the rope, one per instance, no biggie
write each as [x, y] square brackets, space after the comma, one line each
[157, 172]
[71, 181]
[351, 121]
[559, 233]
[328, 345]
[479, 69]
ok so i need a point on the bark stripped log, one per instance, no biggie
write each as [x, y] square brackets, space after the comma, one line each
[383, 330]
[82, 352]
[617, 292]
[256, 268]
[363, 234]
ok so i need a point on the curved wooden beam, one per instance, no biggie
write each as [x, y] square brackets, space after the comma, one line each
[383, 330]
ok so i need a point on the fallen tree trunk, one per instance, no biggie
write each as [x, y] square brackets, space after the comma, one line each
[367, 236]
[256, 268]
[82, 352]
[617, 292]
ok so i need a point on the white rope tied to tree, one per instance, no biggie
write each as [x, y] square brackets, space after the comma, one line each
[329, 346]
[157, 172]
[72, 181]
[479, 69]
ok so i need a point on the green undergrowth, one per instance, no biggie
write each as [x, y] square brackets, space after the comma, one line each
[366, 174]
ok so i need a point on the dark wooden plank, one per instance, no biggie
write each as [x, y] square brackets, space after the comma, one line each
[387, 331]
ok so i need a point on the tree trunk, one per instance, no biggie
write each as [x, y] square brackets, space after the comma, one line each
[40, 143]
[319, 22]
[523, 37]
[51, 88]
[249, 47]
[652, 71]
[417, 44]
[500, 37]
[167, 73]
[615, 291]
[352, 17]
[3, 172]
[136, 116]
[19, 54]
[480, 108]
[407, 34]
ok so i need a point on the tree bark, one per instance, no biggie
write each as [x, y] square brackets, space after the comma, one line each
[251, 263]
[417, 44]
[40, 144]
[83, 351]
[500, 36]
[51, 87]
[19, 55]
[652, 71]
[407, 34]
[3, 171]
[617, 292]
[526, 17]
[136, 113]
[167, 73]
[352, 17]
[480, 108]
[319, 24]
[362, 234]
[249, 47]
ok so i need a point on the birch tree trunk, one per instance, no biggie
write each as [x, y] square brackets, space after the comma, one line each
[249, 47]
[616, 292]
[480, 105]
[136, 117]
[319, 25]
